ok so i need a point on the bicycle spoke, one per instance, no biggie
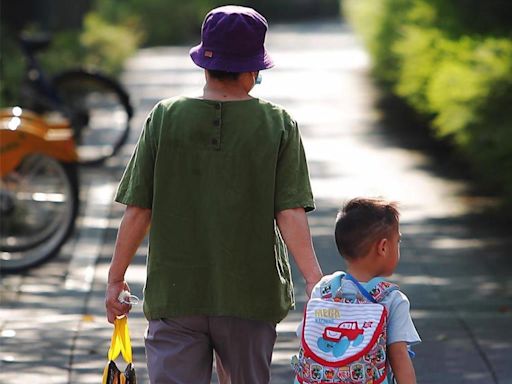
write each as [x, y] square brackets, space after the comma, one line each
[37, 212]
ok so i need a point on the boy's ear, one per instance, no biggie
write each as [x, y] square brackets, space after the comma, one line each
[382, 247]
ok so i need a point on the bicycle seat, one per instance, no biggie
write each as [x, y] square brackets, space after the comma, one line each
[35, 43]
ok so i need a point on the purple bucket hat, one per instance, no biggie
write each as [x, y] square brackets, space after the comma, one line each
[232, 40]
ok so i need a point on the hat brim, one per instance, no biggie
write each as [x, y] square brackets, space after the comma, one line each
[223, 62]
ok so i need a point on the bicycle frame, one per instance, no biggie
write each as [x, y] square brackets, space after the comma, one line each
[23, 132]
[36, 79]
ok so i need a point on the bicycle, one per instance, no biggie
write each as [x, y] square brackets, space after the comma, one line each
[97, 106]
[38, 188]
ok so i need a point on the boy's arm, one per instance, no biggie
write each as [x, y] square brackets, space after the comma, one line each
[401, 363]
[293, 225]
[132, 230]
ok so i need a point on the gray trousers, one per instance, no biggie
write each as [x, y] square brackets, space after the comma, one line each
[180, 350]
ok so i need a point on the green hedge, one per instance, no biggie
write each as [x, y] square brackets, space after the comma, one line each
[453, 64]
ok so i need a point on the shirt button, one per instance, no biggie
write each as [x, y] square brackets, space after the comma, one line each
[216, 122]
[217, 106]
[215, 141]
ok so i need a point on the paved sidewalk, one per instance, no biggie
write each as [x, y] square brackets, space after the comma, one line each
[455, 265]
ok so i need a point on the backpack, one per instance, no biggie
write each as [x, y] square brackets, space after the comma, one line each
[344, 336]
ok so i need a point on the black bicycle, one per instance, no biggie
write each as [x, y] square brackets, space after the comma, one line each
[97, 106]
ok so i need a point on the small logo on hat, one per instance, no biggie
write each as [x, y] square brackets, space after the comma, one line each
[208, 53]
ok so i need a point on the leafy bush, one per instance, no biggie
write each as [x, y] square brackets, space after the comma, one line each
[456, 72]
[108, 45]
[99, 45]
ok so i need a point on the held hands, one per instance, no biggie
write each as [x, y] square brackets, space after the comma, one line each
[114, 307]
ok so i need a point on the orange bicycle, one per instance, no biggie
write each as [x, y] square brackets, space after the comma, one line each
[38, 187]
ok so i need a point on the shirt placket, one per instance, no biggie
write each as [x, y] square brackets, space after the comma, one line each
[217, 123]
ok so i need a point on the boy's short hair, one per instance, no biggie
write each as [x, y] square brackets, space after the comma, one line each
[361, 222]
[223, 75]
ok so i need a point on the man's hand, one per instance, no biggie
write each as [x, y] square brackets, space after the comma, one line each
[293, 225]
[309, 288]
[114, 307]
[132, 230]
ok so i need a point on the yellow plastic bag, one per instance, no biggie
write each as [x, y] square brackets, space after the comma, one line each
[120, 344]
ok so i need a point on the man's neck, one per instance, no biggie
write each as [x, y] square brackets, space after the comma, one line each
[225, 90]
[224, 93]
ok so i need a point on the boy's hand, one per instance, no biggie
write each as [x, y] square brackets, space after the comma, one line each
[114, 307]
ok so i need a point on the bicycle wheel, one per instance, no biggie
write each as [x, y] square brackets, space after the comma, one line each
[38, 206]
[99, 110]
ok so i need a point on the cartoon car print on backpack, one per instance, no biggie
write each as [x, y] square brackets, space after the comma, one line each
[338, 339]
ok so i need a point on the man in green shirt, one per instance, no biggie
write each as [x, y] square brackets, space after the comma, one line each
[222, 183]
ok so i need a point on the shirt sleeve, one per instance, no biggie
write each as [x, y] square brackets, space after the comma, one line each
[136, 186]
[293, 189]
[400, 325]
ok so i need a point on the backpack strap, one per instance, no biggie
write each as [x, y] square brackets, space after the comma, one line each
[379, 288]
[328, 288]
[362, 289]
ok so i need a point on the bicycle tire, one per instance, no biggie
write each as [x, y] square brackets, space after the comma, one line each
[38, 219]
[99, 110]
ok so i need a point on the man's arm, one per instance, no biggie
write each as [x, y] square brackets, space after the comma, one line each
[132, 230]
[401, 363]
[293, 225]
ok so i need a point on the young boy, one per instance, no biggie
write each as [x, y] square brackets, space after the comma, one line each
[368, 237]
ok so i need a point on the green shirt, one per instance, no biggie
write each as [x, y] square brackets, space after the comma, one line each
[214, 175]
